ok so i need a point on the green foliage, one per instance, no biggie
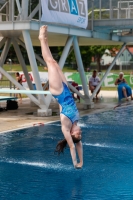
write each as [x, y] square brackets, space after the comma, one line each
[86, 55]
[87, 52]
[104, 14]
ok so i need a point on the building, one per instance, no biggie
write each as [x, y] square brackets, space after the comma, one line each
[125, 58]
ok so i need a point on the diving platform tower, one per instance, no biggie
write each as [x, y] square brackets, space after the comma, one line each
[19, 25]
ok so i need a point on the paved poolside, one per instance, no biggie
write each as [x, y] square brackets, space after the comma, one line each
[26, 115]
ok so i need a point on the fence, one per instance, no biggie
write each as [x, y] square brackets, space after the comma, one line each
[126, 65]
[5, 83]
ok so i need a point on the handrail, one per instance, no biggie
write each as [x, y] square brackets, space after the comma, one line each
[114, 11]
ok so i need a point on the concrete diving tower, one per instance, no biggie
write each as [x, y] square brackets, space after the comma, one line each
[21, 27]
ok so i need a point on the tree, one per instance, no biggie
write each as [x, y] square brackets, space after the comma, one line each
[99, 51]
[85, 54]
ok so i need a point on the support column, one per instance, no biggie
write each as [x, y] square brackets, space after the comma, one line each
[7, 12]
[63, 58]
[5, 52]
[40, 9]
[108, 70]
[65, 52]
[25, 6]
[80, 66]
[11, 10]
[34, 67]
[2, 42]
[21, 61]
[88, 102]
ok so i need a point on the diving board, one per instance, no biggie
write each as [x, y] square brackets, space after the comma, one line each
[24, 91]
[5, 98]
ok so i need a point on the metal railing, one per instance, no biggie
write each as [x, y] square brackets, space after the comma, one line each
[5, 83]
[11, 10]
[111, 10]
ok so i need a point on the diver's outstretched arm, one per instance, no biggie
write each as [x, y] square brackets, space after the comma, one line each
[79, 148]
[67, 135]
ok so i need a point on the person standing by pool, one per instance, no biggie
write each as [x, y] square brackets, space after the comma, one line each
[19, 80]
[68, 111]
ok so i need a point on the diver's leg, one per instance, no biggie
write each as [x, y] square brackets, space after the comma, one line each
[62, 75]
[129, 91]
[55, 81]
[97, 93]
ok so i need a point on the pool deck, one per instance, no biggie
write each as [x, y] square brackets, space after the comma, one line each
[26, 115]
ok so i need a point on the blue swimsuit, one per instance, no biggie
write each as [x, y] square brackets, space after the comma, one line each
[67, 103]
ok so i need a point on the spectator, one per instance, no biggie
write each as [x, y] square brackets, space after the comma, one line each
[74, 84]
[124, 90]
[93, 82]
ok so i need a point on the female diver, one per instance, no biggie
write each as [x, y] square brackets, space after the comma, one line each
[68, 111]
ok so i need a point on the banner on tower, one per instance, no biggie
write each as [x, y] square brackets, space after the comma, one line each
[71, 12]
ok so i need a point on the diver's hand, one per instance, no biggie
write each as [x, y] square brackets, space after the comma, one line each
[78, 165]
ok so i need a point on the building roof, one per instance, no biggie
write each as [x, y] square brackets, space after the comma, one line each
[130, 49]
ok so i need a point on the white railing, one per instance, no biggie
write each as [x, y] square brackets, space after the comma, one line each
[12, 10]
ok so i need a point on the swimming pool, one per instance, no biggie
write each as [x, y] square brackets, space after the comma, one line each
[29, 169]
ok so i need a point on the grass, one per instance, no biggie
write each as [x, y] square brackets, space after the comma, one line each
[109, 88]
[17, 68]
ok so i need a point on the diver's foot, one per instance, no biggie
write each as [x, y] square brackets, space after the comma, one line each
[127, 99]
[43, 33]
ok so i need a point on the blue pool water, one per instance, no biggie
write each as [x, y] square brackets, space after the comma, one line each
[29, 169]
